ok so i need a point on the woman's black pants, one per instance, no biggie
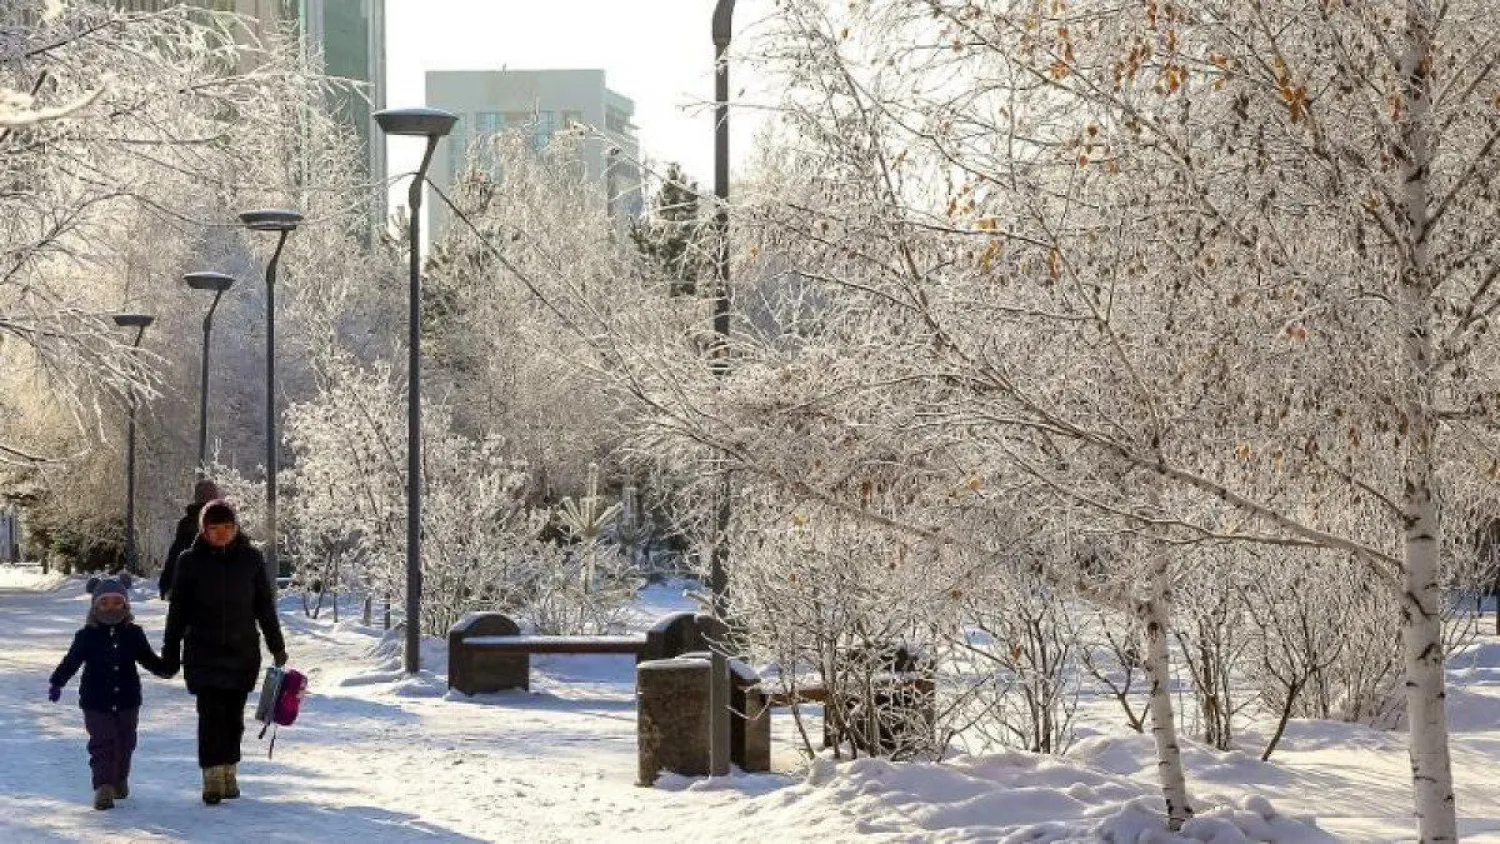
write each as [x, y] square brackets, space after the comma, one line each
[221, 725]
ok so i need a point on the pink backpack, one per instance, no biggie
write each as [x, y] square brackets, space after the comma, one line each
[280, 701]
[289, 698]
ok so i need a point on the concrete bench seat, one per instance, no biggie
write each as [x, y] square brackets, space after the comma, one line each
[487, 652]
[559, 644]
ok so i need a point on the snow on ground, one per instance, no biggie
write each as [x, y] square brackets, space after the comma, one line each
[20, 578]
[377, 756]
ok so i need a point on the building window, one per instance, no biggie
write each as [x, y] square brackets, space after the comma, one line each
[617, 121]
[458, 150]
[543, 129]
[488, 125]
[489, 122]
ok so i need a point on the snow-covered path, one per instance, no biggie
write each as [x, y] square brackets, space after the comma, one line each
[365, 763]
[377, 757]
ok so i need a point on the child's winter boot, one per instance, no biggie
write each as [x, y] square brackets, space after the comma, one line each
[122, 791]
[104, 797]
[231, 782]
[213, 785]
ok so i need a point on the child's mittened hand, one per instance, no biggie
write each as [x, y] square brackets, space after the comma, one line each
[54, 694]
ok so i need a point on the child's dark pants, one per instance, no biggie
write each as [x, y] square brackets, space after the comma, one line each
[111, 743]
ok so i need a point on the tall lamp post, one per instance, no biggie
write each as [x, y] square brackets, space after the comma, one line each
[282, 222]
[139, 323]
[718, 696]
[433, 125]
[218, 283]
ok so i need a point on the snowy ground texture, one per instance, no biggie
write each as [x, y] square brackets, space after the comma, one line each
[380, 757]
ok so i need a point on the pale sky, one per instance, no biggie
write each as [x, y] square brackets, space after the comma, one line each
[658, 53]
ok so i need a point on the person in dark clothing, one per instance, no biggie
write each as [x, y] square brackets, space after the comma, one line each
[204, 491]
[219, 595]
[108, 648]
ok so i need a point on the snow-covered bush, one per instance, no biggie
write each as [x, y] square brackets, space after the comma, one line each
[574, 589]
[1110, 654]
[1022, 672]
[1214, 646]
[343, 512]
[861, 617]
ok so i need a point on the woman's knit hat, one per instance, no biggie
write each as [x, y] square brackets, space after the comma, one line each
[217, 512]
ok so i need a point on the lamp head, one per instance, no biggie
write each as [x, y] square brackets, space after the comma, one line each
[133, 320]
[271, 220]
[428, 122]
[205, 280]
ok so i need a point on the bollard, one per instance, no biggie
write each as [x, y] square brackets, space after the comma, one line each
[672, 718]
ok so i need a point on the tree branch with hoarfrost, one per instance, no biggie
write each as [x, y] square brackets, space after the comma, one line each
[114, 119]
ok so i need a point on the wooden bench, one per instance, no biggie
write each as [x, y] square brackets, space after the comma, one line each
[905, 710]
[818, 693]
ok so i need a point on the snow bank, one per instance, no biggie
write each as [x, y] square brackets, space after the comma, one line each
[29, 579]
[1476, 665]
[737, 781]
[1021, 797]
[1134, 755]
[386, 666]
[1470, 711]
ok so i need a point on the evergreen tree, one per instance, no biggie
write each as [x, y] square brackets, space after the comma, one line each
[673, 237]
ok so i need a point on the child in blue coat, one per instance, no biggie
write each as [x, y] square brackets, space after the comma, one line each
[108, 647]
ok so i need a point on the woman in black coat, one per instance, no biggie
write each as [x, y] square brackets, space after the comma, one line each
[219, 595]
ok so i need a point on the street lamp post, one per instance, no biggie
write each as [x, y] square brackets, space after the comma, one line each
[431, 124]
[718, 580]
[139, 323]
[283, 222]
[218, 283]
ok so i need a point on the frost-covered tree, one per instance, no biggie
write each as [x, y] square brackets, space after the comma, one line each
[516, 250]
[1194, 273]
[129, 118]
[145, 132]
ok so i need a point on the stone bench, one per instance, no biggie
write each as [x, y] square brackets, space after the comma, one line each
[749, 716]
[488, 653]
[524, 644]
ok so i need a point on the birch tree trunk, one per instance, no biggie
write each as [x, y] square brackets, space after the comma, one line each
[1431, 768]
[1155, 613]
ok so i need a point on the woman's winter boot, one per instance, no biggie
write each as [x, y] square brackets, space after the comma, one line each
[231, 782]
[104, 797]
[213, 785]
